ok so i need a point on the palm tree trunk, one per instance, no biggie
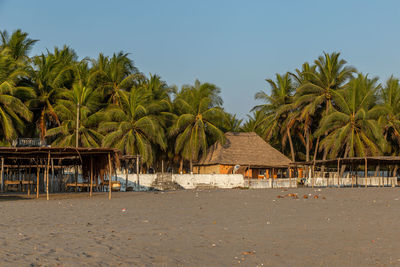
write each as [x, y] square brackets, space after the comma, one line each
[77, 127]
[316, 148]
[308, 145]
[291, 144]
[343, 168]
[181, 166]
[326, 134]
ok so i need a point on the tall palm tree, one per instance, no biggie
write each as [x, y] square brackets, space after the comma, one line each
[13, 111]
[76, 108]
[49, 75]
[19, 45]
[390, 120]
[231, 123]
[196, 122]
[254, 122]
[115, 75]
[352, 128]
[315, 95]
[133, 125]
[277, 106]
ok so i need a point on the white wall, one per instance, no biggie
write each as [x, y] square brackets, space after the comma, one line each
[347, 181]
[271, 183]
[187, 181]
[190, 181]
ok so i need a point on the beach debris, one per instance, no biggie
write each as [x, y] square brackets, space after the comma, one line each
[248, 252]
[268, 222]
[315, 197]
[214, 222]
[213, 245]
[290, 195]
[123, 210]
[323, 197]
[305, 196]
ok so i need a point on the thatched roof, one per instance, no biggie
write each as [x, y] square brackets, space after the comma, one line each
[246, 149]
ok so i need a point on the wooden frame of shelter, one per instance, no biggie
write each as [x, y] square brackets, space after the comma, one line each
[355, 165]
[127, 162]
[95, 162]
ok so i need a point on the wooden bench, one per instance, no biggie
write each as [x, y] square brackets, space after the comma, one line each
[77, 185]
[115, 185]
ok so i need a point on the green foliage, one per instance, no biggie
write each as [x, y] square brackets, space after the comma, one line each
[323, 109]
[198, 114]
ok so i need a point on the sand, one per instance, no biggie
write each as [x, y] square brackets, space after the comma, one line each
[350, 227]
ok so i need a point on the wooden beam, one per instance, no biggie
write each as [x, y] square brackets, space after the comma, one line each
[52, 175]
[126, 177]
[47, 176]
[37, 180]
[91, 176]
[366, 172]
[137, 173]
[338, 172]
[29, 181]
[109, 178]
[2, 175]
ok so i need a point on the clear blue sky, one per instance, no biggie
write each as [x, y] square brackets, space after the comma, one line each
[234, 44]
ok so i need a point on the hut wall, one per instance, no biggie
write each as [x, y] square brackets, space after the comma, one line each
[207, 169]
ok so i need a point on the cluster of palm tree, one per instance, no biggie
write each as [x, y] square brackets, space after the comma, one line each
[329, 110]
[104, 102]
[322, 110]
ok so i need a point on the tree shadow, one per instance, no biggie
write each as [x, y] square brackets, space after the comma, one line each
[14, 197]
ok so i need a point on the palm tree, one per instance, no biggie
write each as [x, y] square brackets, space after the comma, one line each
[114, 75]
[277, 106]
[315, 95]
[13, 111]
[76, 108]
[231, 123]
[50, 74]
[352, 128]
[133, 125]
[390, 120]
[254, 122]
[19, 45]
[196, 123]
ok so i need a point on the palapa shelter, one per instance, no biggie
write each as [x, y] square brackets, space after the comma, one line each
[365, 171]
[39, 168]
[244, 153]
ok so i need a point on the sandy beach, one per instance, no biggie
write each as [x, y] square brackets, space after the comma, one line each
[272, 227]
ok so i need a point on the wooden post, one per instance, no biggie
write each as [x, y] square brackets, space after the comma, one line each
[47, 176]
[290, 177]
[109, 178]
[76, 178]
[52, 176]
[137, 172]
[2, 175]
[338, 172]
[29, 179]
[91, 176]
[313, 175]
[126, 176]
[366, 172]
[37, 179]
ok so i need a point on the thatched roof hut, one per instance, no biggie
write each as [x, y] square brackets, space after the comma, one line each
[248, 150]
